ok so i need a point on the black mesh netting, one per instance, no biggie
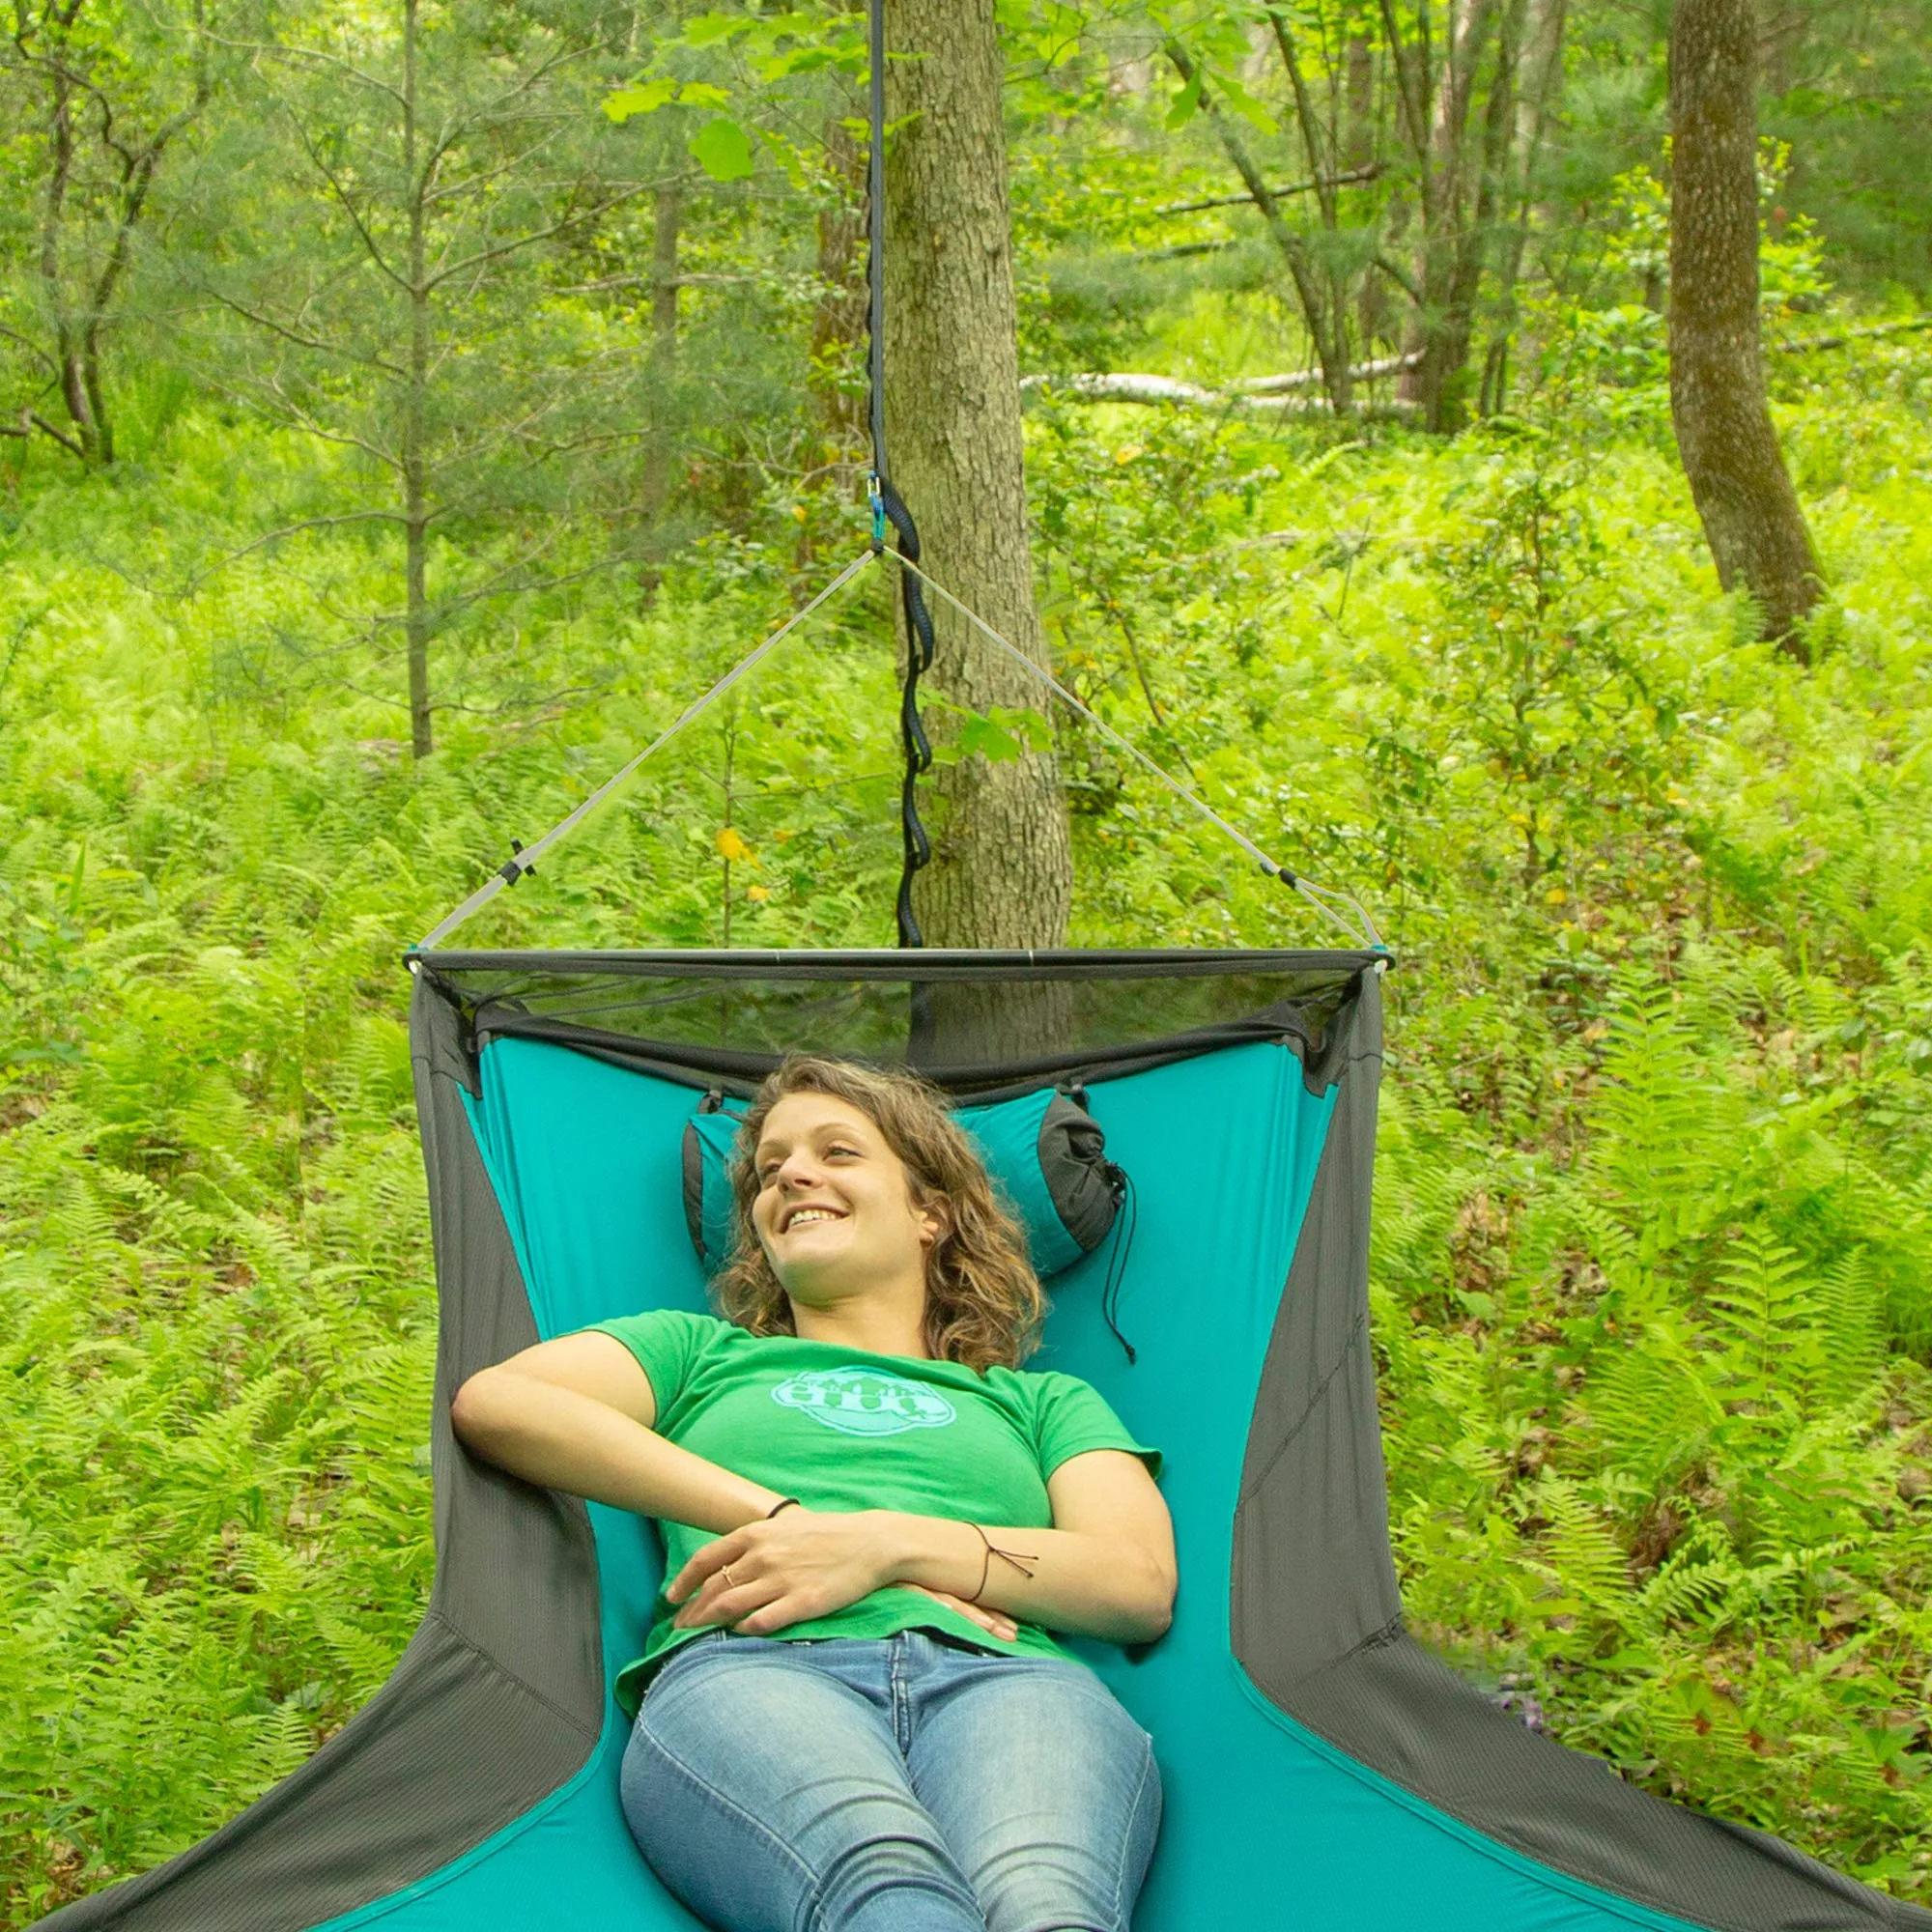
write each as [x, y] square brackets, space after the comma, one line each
[971, 1020]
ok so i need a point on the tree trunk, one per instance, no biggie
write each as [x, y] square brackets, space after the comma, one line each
[1535, 104]
[1362, 150]
[416, 406]
[667, 217]
[1002, 867]
[1472, 245]
[68, 357]
[1436, 118]
[1334, 350]
[840, 318]
[1293, 249]
[1724, 435]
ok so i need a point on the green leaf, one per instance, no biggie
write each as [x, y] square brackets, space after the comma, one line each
[703, 94]
[993, 742]
[1186, 104]
[644, 99]
[797, 60]
[1244, 103]
[708, 30]
[723, 150]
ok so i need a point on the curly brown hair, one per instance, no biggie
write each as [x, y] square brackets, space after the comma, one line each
[984, 1305]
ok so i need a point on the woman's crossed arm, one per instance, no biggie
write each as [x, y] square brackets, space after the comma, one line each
[1105, 1569]
[576, 1414]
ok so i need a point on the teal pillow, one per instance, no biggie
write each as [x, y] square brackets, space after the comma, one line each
[1045, 1152]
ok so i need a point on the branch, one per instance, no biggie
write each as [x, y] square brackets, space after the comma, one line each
[1293, 249]
[220, 564]
[302, 341]
[281, 51]
[31, 420]
[1804, 343]
[31, 347]
[1304, 111]
[1401, 278]
[484, 256]
[293, 412]
[348, 207]
[1370, 172]
[1411, 85]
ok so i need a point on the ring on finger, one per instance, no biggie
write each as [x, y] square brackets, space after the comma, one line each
[730, 1581]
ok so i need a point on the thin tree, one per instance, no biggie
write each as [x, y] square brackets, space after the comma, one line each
[401, 326]
[1738, 481]
[1459, 177]
[97, 96]
[1001, 868]
[1324, 316]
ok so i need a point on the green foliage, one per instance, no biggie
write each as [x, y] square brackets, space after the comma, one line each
[1655, 1215]
[1653, 1274]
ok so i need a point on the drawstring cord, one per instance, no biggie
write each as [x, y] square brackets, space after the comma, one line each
[1125, 1216]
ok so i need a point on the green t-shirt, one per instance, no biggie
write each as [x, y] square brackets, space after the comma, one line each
[844, 1430]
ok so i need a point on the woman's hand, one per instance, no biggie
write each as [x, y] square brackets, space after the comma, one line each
[995, 1623]
[795, 1566]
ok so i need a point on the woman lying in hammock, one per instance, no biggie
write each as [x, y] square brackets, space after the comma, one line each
[872, 1517]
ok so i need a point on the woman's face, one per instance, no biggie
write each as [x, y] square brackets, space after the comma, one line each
[834, 1211]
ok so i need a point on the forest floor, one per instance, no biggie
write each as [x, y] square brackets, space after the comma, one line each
[1654, 1264]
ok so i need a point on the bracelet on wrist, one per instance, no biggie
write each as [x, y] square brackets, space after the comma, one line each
[1017, 1558]
[783, 1503]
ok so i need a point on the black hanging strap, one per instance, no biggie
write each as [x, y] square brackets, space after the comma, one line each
[888, 507]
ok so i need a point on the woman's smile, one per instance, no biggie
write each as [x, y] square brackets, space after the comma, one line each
[809, 1214]
[833, 1206]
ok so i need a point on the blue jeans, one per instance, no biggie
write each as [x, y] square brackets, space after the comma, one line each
[890, 1784]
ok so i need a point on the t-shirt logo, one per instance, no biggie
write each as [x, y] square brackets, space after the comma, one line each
[864, 1402]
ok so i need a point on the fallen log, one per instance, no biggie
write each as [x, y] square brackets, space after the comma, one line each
[1267, 395]
[1310, 379]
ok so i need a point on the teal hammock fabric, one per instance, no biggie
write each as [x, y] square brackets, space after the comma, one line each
[585, 1157]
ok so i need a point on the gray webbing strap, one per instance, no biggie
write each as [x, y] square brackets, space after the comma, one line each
[1328, 900]
[527, 856]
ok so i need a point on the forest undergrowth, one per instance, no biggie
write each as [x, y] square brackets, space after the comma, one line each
[1653, 1281]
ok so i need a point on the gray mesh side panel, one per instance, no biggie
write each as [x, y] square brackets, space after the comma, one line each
[499, 1698]
[1317, 1613]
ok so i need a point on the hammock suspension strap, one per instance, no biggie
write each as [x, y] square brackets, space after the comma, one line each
[889, 506]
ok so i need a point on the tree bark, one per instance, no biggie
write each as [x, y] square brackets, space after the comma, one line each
[1001, 868]
[1324, 168]
[1362, 150]
[81, 272]
[1436, 119]
[1729, 447]
[1535, 101]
